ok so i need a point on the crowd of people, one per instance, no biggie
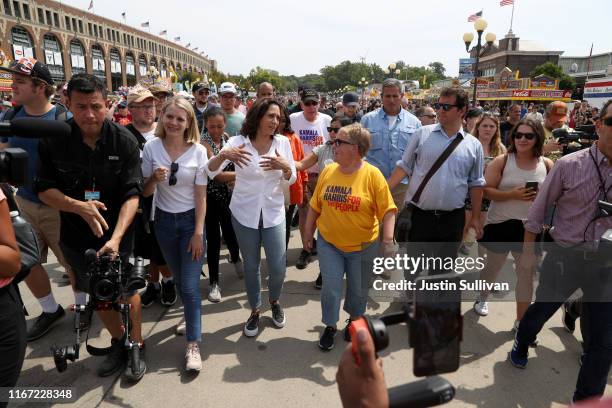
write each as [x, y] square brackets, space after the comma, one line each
[168, 179]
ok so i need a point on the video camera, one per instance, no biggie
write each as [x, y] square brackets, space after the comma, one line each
[14, 162]
[577, 139]
[110, 280]
[435, 332]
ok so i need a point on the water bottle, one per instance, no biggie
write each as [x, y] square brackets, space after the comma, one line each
[17, 219]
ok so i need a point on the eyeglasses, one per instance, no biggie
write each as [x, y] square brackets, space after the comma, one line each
[607, 121]
[332, 129]
[339, 142]
[173, 169]
[444, 106]
[311, 103]
[520, 135]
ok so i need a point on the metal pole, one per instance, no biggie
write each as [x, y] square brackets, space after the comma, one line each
[476, 67]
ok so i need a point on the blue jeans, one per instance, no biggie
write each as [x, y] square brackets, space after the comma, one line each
[357, 265]
[560, 275]
[174, 231]
[250, 241]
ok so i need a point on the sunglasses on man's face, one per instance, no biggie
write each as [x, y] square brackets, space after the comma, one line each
[333, 129]
[607, 121]
[444, 106]
[520, 135]
[173, 169]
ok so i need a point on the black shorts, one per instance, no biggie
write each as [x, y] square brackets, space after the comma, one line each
[145, 241]
[503, 237]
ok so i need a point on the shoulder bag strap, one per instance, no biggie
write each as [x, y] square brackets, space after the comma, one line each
[436, 166]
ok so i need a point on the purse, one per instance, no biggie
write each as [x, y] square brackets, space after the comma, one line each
[403, 223]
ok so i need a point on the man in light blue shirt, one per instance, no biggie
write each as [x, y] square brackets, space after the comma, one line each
[391, 128]
[438, 214]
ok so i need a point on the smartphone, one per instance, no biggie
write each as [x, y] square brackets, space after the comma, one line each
[532, 185]
[438, 325]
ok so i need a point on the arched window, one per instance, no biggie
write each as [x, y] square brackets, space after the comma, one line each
[22, 43]
[142, 65]
[53, 57]
[115, 60]
[97, 59]
[130, 69]
[77, 57]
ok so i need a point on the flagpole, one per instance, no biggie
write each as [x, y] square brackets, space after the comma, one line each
[512, 17]
[589, 65]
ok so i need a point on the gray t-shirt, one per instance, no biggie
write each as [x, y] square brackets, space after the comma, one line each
[325, 155]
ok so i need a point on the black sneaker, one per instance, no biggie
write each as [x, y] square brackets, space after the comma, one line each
[569, 321]
[278, 315]
[319, 282]
[168, 293]
[303, 260]
[314, 247]
[44, 322]
[346, 332]
[114, 360]
[326, 342]
[150, 294]
[135, 375]
[251, 328]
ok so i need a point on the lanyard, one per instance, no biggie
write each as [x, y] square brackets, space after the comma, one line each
[602, 184]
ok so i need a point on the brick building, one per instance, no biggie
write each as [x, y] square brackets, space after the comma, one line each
[512, 53]
[70, 41]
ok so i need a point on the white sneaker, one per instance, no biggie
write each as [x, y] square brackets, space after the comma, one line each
[214, 294]
[481, 307]
[193, 360]
[181, 328]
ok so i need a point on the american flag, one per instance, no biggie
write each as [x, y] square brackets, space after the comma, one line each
[145, 24]
[91, 6]
[503, 3]
[475, 16]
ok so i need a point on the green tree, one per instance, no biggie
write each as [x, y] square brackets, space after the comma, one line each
[551, 70]
[437, 67]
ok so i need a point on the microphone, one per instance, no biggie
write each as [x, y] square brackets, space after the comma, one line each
[32, 128]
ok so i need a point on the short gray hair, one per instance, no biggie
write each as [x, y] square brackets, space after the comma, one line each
[391, 83]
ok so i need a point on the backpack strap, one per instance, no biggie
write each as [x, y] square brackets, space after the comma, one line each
[11, 113]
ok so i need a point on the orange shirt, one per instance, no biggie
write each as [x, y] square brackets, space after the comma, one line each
[296, 190]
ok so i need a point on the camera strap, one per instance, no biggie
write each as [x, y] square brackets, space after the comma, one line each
[602, 183]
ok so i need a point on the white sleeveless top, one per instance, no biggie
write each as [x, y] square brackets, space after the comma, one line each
[500, 211]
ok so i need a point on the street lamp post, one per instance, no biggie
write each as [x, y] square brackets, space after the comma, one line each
[479, 25]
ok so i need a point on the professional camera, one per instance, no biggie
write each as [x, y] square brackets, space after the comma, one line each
[580, 138]
[110, 280]
[435, 332]
[13, 166]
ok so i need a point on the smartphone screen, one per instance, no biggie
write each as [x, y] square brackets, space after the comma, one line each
[532, 185]
[438, 327]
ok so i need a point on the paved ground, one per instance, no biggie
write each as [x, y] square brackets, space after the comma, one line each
[284, 367]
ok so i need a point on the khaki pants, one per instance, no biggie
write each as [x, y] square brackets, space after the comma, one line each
[46, 223]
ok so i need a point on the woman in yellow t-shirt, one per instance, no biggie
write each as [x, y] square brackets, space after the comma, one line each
[350, 201]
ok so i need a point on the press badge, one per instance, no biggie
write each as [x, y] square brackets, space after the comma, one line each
[91, 195]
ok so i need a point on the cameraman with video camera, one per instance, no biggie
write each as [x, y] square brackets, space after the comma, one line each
[578, 257]
[94, 178]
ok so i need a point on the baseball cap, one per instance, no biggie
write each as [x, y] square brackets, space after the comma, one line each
[556, 111]
[310, 95]
[199, 85]
[159, 88]
[137, 95]
[350, 98]
[227, 87]
[30, 67]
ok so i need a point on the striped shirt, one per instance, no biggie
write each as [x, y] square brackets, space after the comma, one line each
[574, 185]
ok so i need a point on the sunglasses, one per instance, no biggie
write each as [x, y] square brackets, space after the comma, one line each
[311, 103]
[339, 142]
[332, 129]
[444, 106]
[173, 169]
[607, 121]
[520, 135]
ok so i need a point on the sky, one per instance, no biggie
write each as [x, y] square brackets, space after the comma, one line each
[301, 37]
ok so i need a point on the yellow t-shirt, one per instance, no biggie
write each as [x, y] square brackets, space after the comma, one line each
[351, 205]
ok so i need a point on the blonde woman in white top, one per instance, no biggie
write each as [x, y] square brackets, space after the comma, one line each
[174, 167]
[507, 177]
[264, 162]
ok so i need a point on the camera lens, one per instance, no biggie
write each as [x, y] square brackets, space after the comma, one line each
[104, 290]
